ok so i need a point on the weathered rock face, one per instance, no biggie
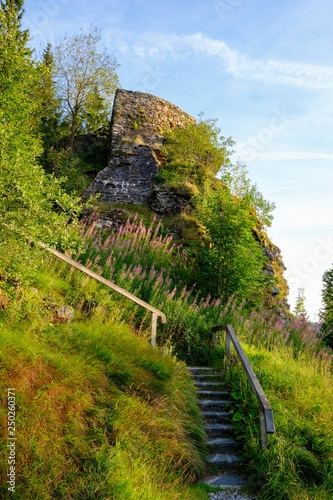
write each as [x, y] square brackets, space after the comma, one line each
[275, 268]
[167, 201]
[129, 177]
[138, 123]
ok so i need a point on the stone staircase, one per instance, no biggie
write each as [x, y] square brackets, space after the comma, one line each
[214, 401]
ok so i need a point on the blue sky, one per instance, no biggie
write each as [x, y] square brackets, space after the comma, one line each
[262, 68]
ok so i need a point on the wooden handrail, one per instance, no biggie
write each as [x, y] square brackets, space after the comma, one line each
[266, 416]
[155, 312]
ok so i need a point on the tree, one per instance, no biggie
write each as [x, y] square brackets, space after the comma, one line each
[197, 152]
[86, 82]
[30, 201]
[326, 314]
[235, 176]
[300, 310]
[230, 259]
[52, 129]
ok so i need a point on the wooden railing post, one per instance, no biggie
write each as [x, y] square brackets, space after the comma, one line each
[153, 329]
[227, 344]
[263, 431]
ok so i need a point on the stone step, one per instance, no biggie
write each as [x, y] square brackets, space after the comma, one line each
[207, 376]
[222, 445]
[224, 461]
[206, 385]
[218, 430]
[216, 417]
[213, 394]
[200, 369]
[225, 480]
[214, 404]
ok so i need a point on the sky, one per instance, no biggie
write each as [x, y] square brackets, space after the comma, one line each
[262, 68]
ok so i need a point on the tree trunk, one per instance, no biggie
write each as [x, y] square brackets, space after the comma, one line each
[73, 132]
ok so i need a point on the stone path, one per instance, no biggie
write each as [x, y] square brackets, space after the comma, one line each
[223, 459]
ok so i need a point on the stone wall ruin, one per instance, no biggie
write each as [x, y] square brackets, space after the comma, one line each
[138, 123]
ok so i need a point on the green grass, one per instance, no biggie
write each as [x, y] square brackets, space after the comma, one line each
[100, 414]
[298, 461]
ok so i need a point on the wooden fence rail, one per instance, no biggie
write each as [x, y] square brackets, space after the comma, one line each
[155, 312]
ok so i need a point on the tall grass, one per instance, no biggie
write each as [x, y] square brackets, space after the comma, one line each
[159, 271]
[99, 415]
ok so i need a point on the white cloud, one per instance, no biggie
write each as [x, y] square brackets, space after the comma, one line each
[282, 155]
[312, 76]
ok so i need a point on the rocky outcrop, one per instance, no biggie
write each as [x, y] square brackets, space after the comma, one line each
[275, 268]
[167, 201]
[129, 178]
[139, 122]
[138, 127]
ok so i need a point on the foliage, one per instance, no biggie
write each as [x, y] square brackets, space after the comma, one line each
[296, 375]
[300, 310]
[326, 315]
[52, 129]
[94, 149]
[235, 176]
[30, 201]
[165, 281]
[231, 261]
[298, 460]
[197, 152]
[108, 404]
[86, 80]
[71, 170]
[96, 405]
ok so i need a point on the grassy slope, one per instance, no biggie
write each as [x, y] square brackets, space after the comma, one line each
[100, 414]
